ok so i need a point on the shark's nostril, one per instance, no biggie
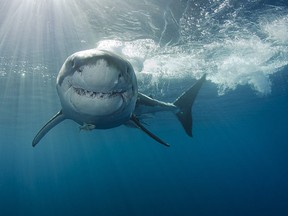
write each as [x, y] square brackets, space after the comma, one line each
[73, 63]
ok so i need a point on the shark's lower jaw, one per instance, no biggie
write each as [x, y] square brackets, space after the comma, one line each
[98, 95]
[84, 105]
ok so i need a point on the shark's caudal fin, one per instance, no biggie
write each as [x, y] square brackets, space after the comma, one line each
[59, 117]
[184, 104]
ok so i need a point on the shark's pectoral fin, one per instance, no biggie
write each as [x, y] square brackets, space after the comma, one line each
[145, 130]
[59, 117]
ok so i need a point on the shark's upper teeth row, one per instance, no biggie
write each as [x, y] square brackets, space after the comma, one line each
[93, 94]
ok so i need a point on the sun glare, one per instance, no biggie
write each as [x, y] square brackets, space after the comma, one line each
[35, 28]
[36, 36]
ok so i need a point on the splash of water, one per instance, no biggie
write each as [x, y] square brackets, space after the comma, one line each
[228, 64]
[240, 52]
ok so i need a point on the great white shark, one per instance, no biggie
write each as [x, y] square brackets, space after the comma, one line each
[98, 90]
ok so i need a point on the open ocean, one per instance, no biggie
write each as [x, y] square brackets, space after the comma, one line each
[236, 164]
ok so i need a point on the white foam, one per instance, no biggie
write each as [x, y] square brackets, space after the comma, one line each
[228, 64]
[277, 30]
[242, 62]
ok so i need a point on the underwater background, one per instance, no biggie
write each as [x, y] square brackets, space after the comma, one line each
[235, 164]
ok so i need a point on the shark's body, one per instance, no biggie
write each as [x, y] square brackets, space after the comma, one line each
[98, 90]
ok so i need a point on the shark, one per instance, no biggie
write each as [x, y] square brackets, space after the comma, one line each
[98, 90]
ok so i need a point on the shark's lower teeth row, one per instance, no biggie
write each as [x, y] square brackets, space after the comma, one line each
[92, 94]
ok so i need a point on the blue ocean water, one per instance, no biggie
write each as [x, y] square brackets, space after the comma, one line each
[236, 162]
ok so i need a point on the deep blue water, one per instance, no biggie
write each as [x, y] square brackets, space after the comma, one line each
[236, 163]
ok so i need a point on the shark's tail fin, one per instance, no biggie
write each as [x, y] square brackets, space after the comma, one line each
[184, 104]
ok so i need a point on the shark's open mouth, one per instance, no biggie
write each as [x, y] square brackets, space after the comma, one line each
[98, 95]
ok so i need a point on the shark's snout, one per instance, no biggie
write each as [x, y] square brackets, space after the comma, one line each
[99, 77]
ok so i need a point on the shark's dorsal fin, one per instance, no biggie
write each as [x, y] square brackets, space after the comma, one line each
[59, 117]
[145, 130]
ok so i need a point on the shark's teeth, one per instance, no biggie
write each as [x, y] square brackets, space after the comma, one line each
[92, 94]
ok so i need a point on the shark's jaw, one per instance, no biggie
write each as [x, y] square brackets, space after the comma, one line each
[98, 95]
[98, 103]
[97, 86]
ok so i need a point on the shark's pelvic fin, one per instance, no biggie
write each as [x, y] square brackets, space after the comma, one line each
[59, 117]
[184, 104]
[145, 130]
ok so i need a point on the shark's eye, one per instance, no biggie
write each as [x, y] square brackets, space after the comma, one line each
[79, 70]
